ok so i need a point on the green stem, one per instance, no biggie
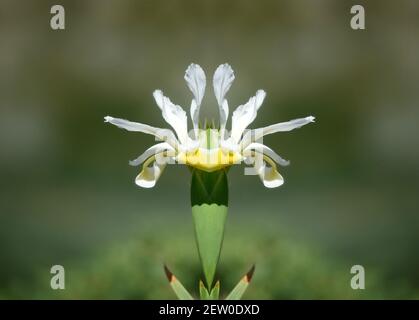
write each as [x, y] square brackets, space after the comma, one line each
[209, 201]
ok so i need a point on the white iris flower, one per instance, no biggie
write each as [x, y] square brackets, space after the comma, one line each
[209, 149]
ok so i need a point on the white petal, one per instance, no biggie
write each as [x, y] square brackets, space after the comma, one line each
[195, 78]
[223, 114]
[194, 110]
[270, 177]
[287, 126]
[162, 134]
[132, 126]
[246, 114]
[173, 114]
[196, 81]
[278, 127]
[228, 145]
[152, 151]
[222, 80]
[148, 177]
[261, 148]
[158, 96]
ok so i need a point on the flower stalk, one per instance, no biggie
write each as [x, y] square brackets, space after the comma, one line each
[209, 201]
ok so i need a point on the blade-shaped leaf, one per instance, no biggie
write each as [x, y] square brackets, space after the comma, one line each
[203, 292]
[215, 292]
[241, 287]
[177, 286]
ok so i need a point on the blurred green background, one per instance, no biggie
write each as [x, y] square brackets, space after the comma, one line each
[67, 194]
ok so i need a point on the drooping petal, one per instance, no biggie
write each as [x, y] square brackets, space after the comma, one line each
[173, 114]
[161, 134]
[196, 81]
[245, 115]
[152, 151]
[222, 80]
[269, 175]
[265, 150]
[148, 177]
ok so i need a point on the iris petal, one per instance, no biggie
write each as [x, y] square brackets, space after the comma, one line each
[222, 81]
[161, 134]
[153, 150]
[174, 115]
[196, 81]
[269, 175]
[245, 115]
[265, 150]
[148, 177]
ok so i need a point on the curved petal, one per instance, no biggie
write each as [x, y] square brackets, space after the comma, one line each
[173, 114]
[132, 126]
[265, 150]
[245, 115]
[161, 134]
[196, 81]
[152, 151]
[222, 80]
[278, 127]
[287, 126]
[269, 175]
[148, 177]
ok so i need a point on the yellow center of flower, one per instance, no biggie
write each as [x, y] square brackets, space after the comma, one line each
[209, 156]
[209, 159]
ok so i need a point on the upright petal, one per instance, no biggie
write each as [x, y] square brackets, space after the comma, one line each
[196, 81]
[245, 115]
[174, 115]
[161, 134]
[222, 80]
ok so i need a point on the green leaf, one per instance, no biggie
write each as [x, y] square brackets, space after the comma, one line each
[205, 295]
[203, 292]
[177, 286]
[241, 287]
[215, 292]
